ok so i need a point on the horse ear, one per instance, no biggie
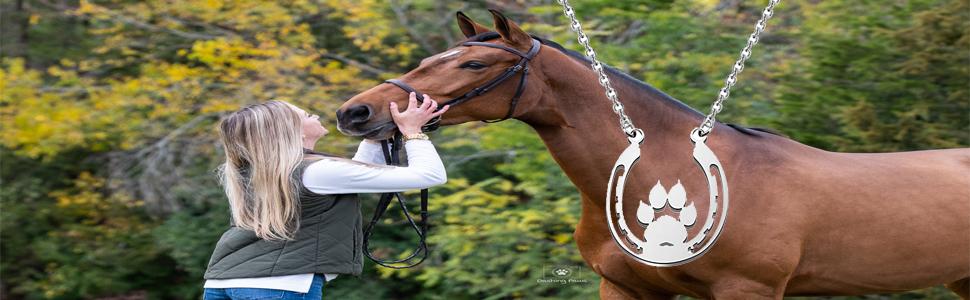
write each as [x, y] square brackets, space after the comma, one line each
[469, 27]
[510, 32]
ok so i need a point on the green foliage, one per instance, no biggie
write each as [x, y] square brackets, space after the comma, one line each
[876, 78]
[86, 87]
[89, 244]
[490, 243]
[189, 236]
[534, 170]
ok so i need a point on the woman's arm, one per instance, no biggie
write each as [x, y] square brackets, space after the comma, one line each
[425, 169]
[369, 151]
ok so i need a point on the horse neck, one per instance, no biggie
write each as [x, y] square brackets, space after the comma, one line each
[588, 139]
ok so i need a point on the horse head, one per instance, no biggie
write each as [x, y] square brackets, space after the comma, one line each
[485, 77]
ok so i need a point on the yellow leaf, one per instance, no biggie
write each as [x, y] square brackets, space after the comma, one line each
[562, 238]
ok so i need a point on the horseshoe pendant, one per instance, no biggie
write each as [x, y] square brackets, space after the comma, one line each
[665, 242]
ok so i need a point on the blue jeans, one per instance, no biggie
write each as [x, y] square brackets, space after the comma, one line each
[315, 292]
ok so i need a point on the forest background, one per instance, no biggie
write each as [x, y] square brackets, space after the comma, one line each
[109, 113]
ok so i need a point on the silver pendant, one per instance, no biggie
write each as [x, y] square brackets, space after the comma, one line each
[665, 242]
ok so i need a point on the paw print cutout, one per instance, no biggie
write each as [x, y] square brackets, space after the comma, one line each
[666, 234]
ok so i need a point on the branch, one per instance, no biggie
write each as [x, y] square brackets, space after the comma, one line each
[154, 170]
[130, 21]
[464, 159]
[225, 31]
[443, 10]
[359, 65]
[198, 36]
[631, 31]
[175, 133]
[727, 4]
[403, 19]
[150, 27]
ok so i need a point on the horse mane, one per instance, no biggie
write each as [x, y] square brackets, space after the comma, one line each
[752, 131]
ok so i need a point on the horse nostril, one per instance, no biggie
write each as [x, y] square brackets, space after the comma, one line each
[357, 114]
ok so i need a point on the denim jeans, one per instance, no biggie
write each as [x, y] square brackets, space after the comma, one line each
[315, 292]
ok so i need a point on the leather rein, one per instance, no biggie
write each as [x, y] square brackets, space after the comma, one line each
[391, 156]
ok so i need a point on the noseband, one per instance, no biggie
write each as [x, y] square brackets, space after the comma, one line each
[521, 66]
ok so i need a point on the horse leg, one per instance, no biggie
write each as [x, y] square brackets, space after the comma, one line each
[741, 288]
[610, 291]
[960, 287]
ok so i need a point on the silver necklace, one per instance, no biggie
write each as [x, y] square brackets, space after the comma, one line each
[665, 242]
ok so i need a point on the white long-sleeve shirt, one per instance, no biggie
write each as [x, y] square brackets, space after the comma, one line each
[330, 176]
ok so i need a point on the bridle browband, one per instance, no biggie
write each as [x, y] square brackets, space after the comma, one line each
[521, 66]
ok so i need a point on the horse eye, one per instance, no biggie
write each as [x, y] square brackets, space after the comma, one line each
[473, 65]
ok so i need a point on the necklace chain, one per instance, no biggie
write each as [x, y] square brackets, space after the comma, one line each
[708, 124]
[625, 122]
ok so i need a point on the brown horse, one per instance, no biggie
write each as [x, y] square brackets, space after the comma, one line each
[802, 221]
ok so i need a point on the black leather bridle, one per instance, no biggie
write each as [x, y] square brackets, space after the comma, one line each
[521, 66]
[392, 158]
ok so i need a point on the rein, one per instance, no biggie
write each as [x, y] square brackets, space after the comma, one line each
[392, 156]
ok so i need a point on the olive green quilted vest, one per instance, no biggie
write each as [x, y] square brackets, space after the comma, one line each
[329, 241]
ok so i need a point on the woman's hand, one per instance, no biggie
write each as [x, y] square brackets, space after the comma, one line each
[411, 119]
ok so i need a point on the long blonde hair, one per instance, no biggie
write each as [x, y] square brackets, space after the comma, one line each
[263, 147]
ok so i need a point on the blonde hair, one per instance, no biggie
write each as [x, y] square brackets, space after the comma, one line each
[263, 147]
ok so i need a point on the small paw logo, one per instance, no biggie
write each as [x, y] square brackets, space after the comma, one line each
[666, 234]
[562, 271]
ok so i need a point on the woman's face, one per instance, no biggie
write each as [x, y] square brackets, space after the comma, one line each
[312, 128]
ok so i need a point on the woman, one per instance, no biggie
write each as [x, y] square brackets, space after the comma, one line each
[296, 220]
